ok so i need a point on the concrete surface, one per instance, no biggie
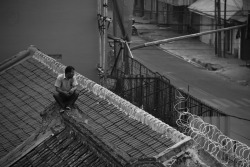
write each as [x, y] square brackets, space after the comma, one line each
[194, 51]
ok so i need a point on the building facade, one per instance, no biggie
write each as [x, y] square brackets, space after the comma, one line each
[203, 18]
[195, 16]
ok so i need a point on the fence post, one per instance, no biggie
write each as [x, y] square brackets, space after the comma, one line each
[227, 126]
[218, 121]
[141, 85]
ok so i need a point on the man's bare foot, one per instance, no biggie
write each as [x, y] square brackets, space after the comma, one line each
[61, 110]
[68, 108]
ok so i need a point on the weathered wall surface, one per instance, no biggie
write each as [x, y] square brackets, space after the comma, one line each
[55, 27]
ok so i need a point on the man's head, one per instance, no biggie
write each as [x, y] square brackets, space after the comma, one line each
[69, 72]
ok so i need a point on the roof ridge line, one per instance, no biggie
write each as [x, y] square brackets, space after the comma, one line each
[102, 146]
[125, 106]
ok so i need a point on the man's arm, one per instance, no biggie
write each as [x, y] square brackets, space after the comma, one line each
[74, 85]
[59, 90]
[73, 89]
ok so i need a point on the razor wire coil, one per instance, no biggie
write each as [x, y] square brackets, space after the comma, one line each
[209, 137]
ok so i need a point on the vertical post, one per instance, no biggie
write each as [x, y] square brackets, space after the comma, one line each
[169, 14]
[225, 22]
[142, 7]
[156, 97]
[157, 11]
[151, 12]
[189, 21]
[115, 32]
[170, 103]
[216, 34]
[105, 14]
[218, 121]
[227, 125]
[211, 116]
[141, 84]
[99, 12]
[219, 24]
[248, 26]
[200, 109]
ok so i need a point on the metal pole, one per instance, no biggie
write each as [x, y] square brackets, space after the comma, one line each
[99, 11]
[219, 24]
[105, 11]
[216, 21]
[151, 13]
[129, 51]
[185, 37]
[225, 22]
[248, 26]
[227, 126]
[142, 8]
[115, 32]
[157, 11]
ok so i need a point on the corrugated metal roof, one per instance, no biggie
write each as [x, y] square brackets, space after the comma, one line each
[178, 2]
[207, 7]
[239, 17]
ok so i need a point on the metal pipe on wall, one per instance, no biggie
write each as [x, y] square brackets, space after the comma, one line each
[104, 40]
[99, 13]
[225, 22]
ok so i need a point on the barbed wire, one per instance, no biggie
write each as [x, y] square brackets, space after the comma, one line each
[209, 137]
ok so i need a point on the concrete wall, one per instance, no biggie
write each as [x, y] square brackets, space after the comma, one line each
[147, 9]
[55, 27]
[236, 44]
[206, 25]
[162, 15]
[195, 22]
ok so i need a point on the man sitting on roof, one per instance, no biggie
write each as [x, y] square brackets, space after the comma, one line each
[66, 91]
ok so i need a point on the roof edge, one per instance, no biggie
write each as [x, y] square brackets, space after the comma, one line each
[177, 148]
[35, 139]
[102, 146]
[7, 63]
[47, 129]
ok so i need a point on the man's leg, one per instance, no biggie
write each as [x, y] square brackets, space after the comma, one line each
[72, 99]
[59, 99]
